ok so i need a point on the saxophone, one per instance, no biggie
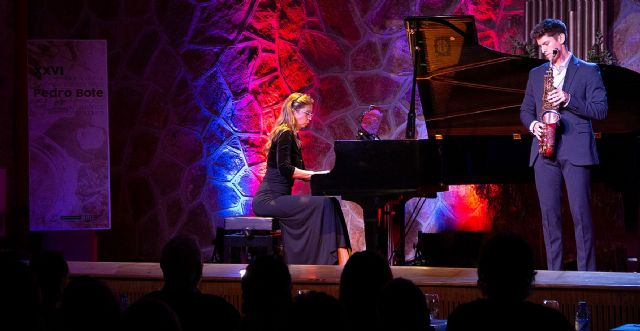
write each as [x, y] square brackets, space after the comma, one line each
[550, 116]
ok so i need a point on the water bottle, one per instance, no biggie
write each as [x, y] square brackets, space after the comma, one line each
[124, 301]
[582, 317]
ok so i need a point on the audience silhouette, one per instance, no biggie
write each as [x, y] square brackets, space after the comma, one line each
[317, 311]
[52, 273]
[363, 277]
[89, 304]
[505, 275]
[181, 264]
[19, 295]
[266, 295]
[32, 297]
[150, 314]
[403, 307]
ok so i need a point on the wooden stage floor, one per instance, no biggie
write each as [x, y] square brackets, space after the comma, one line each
[613, 297]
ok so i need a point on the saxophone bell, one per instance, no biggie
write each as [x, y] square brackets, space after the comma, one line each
[547, 143]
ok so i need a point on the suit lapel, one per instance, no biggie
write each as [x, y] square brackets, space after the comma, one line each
[572, 68]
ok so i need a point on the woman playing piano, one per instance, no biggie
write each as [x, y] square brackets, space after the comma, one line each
[313, 227]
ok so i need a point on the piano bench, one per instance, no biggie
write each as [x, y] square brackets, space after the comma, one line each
[246, 237]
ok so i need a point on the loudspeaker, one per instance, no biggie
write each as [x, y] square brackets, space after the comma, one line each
[246, 238]
[449, 249]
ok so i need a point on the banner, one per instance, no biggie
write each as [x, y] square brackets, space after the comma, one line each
[68, 135]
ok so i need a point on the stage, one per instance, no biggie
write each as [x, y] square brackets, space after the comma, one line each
[613, 297]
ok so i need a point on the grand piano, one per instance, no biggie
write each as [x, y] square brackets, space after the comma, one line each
[471, 98]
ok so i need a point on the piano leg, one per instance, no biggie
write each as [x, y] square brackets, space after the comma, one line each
[374, 231]
[631, 205]
[384, 228]
[394, 217]
[396, 230]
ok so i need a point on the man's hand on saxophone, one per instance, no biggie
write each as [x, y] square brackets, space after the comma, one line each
[558, 97]
[537, 128]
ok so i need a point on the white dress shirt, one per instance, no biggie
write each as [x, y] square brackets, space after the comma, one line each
[559, 73]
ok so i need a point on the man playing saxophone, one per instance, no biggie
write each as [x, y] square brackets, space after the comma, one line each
[578, 95]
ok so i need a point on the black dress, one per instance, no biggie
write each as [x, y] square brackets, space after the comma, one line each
[313, 227]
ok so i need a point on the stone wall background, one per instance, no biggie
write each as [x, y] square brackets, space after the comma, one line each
[196, 85]
[624, 36]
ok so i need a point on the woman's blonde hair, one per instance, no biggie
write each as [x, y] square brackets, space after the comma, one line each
[287, 120]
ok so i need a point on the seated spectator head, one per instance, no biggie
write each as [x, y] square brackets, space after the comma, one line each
[19, 294]
[149, 314]
[362, 279]
[89, 304]
[317, 311]
[51, 271]
[266, 286]
[181, 263]
[506, 268]
[403, 307]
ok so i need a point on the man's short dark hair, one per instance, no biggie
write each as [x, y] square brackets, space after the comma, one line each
[549, 26]
[506, 268]
[181, 261]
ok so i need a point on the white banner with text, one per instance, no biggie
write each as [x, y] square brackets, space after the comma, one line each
[68, 135]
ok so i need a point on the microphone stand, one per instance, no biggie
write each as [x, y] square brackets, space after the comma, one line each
[411, 117]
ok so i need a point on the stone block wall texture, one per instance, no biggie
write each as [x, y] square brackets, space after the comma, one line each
[196, 85]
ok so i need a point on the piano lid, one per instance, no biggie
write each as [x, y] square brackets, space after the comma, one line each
[468, 89]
